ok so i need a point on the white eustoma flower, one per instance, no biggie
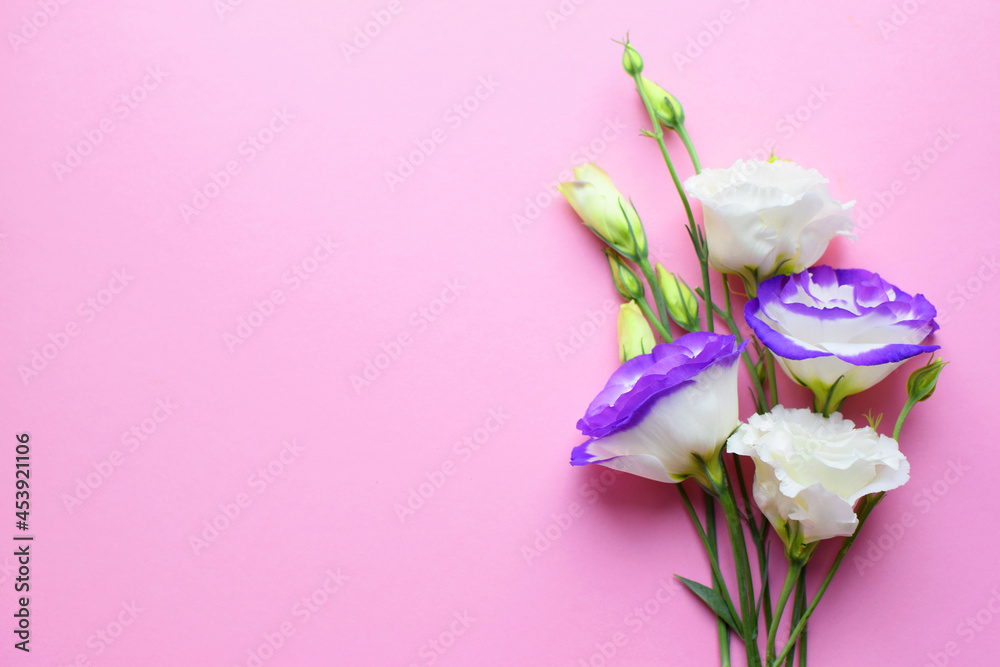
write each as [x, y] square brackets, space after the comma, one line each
[811, 470]
[764, 218]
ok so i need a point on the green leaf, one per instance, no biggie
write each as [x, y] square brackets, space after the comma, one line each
[714, 601]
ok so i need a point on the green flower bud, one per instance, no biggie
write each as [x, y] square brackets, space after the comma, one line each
[635, 337]
[922, 382]
[681, 301]
[626, 282]
[604, 210]
[631, 61]
[667, 108]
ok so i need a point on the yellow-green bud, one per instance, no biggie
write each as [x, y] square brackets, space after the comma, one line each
[604, 210]
[631, 61]
[681, 301]
[667, 108]
[635, 337]
[922, 382]
[626, 282]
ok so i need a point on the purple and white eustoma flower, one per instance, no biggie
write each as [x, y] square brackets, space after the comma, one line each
[659, 411]
[839, 331]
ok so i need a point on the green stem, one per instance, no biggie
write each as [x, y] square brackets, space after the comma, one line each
[706, 281]
[713, 555]
[864, 511]
[794, 567]
[683, 134]
[744, 579]
[648, 312]
[771, 379]
[658, 136]
[800, 607]
[717, 583]
[654, 286]
[697, 238]
[902, 418]
[759, 536]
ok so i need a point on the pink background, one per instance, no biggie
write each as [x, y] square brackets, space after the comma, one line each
[523, 336]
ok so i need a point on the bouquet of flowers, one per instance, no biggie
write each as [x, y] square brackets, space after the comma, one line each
[670, 412]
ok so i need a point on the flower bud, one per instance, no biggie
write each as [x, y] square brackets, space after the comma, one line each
[604, 210]
[626, 282]
[681, 301]
[922, 382]
[667, 108]
[631, 61]
[635, 337]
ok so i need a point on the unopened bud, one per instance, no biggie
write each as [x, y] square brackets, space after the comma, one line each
[667, 108]
[631, 61]
[922, 382]
[681, 301]
[626, 282]
[635, 337]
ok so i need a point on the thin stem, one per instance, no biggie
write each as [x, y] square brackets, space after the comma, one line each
[683, 134]
[779, 609]
[654, 286]
[771, 379]
[648, 312]
[713, 556]
[717, 582]
[697, 238]
[657, 134]
[902, 418]
[864, 511]
[706, 281]
[800, 606]
[745, 581]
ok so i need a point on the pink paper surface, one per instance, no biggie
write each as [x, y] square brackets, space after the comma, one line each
[202, 256]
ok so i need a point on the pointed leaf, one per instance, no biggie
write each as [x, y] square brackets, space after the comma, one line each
[714, 601]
